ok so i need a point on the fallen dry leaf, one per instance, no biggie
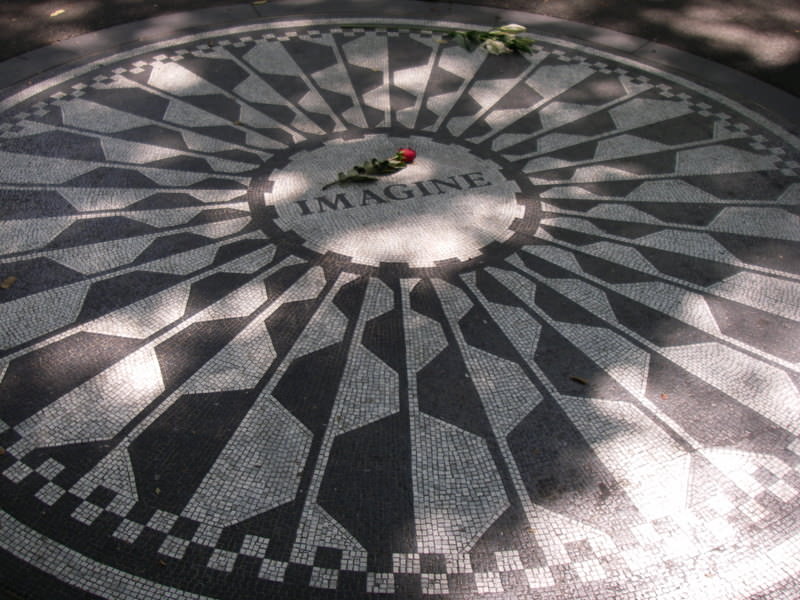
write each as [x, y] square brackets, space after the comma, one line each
[7, 282]
[664, 396]
[55, 13]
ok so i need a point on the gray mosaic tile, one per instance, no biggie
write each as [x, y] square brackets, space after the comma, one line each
[552, 356]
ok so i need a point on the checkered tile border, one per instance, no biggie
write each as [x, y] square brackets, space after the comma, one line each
[762, 487]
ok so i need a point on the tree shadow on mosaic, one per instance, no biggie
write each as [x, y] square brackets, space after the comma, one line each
[31, 25]
[572, 407]
[203, 394]
[754, 36]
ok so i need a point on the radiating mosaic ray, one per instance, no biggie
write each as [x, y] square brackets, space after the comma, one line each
[555, 353]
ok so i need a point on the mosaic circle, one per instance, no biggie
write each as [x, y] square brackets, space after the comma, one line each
[555, 357]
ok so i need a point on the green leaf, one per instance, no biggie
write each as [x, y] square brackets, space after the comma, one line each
[475, 37]
[521, 45]
[462, 39]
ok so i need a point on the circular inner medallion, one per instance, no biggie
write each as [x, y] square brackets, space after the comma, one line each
[590, 383]
[448, 204]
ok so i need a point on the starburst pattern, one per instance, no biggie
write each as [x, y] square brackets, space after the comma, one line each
[555, 351]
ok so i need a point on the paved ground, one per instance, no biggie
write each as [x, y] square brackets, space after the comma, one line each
[759, 37]
[555, 357]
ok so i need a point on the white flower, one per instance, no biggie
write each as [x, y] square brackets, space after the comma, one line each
[512, 28]
[495, 47]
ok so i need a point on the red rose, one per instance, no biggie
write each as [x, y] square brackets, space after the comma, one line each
[407, 155]
[371, 169]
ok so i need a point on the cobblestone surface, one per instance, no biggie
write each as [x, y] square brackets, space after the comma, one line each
[555, 357]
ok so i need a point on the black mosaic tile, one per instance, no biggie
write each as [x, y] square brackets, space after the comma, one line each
[225, 74]
[693, 214]
[678, 130]
[401, 99]
[101, 496]
[596, 123]
[442, 82]
[367, 486]
[703, 410]
[134, 100]
[510, 529]
[382, 337]
[231, 134]
[309, 56]
[99, 230]
[578, 152]
[481, 333]
[36, 379]
[308, 389]
[116, 292]
[349, 298]
[27, 204]
[653, 325]
[338, 102]
[777, 254]
[688, 268]
[209, 290]
[165, 200]
[466, 106]
[446, 392]
[560, 470]
[636, 230]
[186, 351]
[502, 67]
[181, 163]
[586, 477]
[286, 323]
[56, 144]
[563, 309]
[594, 90]
[164, 479]
[754, 185]
[217, 104]
[155, 135]
[609, 271]
[234, 250]
[36, 275]
[330, 558]
[172, 244]
[757, 328]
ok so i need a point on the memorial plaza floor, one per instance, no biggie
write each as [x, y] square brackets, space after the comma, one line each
[557, 356]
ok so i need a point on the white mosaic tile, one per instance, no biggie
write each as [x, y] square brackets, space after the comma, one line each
[434, 583]
[272, 570]
[222, 560]
[50, 493]
[539, 577]
[173, 547]
[402, 212]
[488, 583]
[682, 529]
[380, 583]
[324, 578]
